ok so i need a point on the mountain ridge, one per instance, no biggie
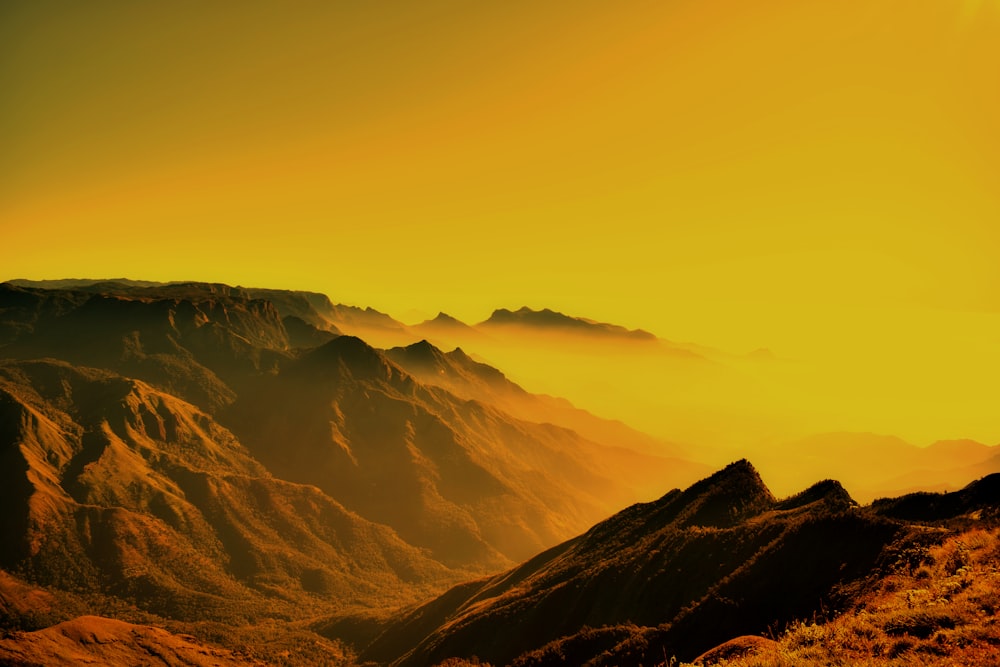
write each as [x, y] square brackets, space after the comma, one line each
[676, 576]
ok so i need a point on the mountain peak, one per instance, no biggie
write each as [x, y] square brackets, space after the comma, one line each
[828, 491]
[737, 471]
[351, 353]
[727, 497]
[445, 318]
[424, 351]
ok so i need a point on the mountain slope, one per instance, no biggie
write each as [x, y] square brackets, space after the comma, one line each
[467, 378]
[114, 488]
[937, 606]
[695, 568]
[104, 641]
[461, 478]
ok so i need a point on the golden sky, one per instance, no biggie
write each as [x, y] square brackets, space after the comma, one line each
[776, 172]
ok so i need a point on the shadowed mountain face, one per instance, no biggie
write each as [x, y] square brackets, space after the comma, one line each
[674, 577]
[979, 498]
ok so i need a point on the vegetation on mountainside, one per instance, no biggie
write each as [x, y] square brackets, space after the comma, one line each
[938, 605]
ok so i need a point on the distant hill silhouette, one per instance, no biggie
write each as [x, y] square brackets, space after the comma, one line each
[444, 325]
[553, 321]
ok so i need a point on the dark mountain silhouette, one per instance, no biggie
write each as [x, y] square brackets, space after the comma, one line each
[978, 498]
[674, 577]
[547, 320]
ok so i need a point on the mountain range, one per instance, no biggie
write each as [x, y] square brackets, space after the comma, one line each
[204, 453]
[195, 473]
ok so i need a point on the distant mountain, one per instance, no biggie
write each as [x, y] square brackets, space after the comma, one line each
[891, 466]
[463, 376]
[82, 283]
[376, 328]
[313, 308]
[551, 321]
[450, 332]
[445, 322]
[982, 494]
[674, 577]
[463, 479]
[366, 318]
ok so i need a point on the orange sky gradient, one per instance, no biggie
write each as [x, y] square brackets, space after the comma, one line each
[821, 178]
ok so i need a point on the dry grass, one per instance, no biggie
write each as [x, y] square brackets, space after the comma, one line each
[941, 610]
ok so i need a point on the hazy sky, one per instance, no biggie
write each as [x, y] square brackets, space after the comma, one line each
[714, 169]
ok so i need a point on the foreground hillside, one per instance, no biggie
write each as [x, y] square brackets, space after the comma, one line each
[681, 575]
[937, 606]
